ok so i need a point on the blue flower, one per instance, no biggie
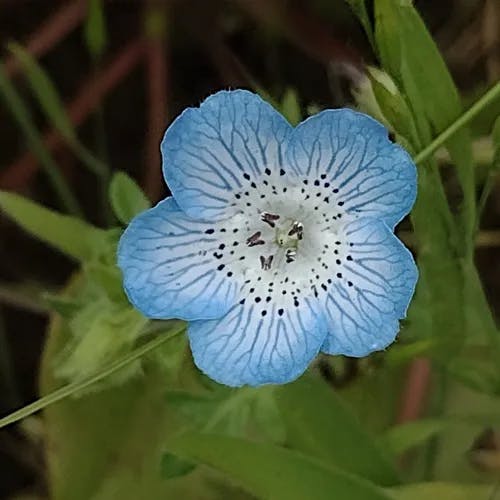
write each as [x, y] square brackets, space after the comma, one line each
[277, 242]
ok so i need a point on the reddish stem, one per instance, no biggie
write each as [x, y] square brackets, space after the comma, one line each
[90, 94]
[414, 395]
[157, 82]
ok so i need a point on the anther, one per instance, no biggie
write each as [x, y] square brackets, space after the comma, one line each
[298, 229]
[265, 262]
[269, 218]
[290, 255]
[255, 239]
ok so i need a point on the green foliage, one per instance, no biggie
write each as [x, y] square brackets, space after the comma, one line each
[172, 466]
[360, 9]
[290, 106]
[271, 472]
[70, 235]
[403, 437]
[50, 102]
[444, 491]
[95, 31]
[126, 197]
[409, 54]
[143, 431]
[24, 119]
[320, 425]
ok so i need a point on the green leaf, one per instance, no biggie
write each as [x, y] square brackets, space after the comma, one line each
[320, 425]
[101, 333]
[127, 198]
[68, 234]
[23, 117]
[403, 437]
[108, 445]
[408, 52]
[495, 135]
[95, 29]
[359, 8]
[172, 466]
[45, 92]
[393, 105]
[234, 412]
[290, 106]
[443, 491]
[48, 98]
[271, 472]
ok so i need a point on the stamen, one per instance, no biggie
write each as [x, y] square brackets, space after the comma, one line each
[269, 218]
[255, 239]
[265, 262]
[298, 229]
[290, 255]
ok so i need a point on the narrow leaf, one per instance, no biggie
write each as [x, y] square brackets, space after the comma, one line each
[95, 29]
[23, 117]
[45, 92]
[127, 198]
[271, 472]
[70, 235]
[320, 425]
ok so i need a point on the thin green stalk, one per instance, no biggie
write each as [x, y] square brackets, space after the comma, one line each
[460, 122]
[71, 389]
[23, 117]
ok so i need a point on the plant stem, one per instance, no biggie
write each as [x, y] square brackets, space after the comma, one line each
[75, 387]
[460, 122]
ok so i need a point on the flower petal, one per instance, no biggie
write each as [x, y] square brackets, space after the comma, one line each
[211, 151]
[351, 152]
[248, 347]
[378, 278]
[169, 267]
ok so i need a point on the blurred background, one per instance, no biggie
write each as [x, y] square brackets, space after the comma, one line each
[123, 70]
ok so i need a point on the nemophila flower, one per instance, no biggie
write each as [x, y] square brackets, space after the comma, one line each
[277, 242]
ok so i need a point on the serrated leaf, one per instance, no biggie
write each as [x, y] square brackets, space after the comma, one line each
[271, 472]
[70, 235]
[319, 424]
[126, 197]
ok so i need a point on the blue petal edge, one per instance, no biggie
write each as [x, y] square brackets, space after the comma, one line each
[207, 151]
[245, 348]
[374, 177]
[365, 317]
[168, 267]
